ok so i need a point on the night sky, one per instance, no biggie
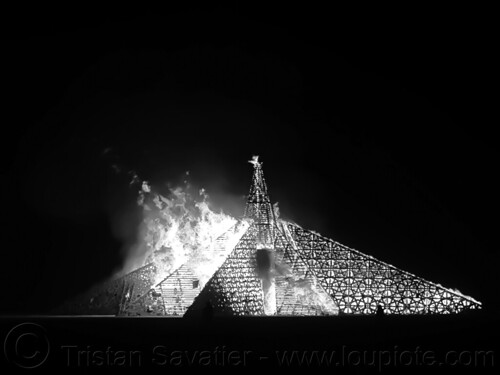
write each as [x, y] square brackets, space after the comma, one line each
[373, 127]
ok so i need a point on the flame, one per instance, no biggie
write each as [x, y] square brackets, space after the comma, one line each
[205, 263]
[307, 292]
[181, 229]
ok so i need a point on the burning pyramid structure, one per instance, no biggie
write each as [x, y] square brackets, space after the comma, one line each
[264, 265]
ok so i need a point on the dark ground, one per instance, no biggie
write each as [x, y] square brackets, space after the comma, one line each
[374, 125]
[434, 344]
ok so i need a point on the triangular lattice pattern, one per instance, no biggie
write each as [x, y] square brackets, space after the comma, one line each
[258, 206]
[313, 275]
[235, 288]
[296, 286]
[359, 283]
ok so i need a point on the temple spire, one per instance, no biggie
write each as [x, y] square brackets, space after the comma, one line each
[258, 206]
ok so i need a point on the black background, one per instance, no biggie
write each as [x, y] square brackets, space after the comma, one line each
[373, 126]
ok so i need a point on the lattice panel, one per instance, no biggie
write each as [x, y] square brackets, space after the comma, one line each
[235, 288]
[258, 206]
[289, 304]
[178, 291]
[287, 300]
[359, 283]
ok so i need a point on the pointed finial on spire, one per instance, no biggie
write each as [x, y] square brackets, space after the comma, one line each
[255, 160]
[258, 206]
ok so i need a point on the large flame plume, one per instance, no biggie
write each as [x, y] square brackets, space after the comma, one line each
[178, 228]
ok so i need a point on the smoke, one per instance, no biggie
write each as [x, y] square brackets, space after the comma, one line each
[176, 229]
[264, 258]
[265, 271]
[306, 290]
[175, 226]
[308, 293]
[170, 228]
[171, 225]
